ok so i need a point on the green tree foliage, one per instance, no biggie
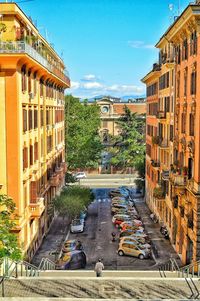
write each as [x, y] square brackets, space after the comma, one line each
[8, 241]
[129, 147]
[72, 201]
[83, 143]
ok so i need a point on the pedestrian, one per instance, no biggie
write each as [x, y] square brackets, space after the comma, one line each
[98, 268]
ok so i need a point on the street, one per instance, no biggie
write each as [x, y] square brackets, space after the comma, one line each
[97, 239]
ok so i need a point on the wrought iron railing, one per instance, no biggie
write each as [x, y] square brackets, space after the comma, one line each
[46, 264]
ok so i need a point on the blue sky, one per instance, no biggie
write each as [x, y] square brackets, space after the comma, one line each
[107, 45]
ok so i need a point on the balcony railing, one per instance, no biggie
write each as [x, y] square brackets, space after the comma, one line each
[37, 207]
[161, 115]
[178, 180]
[164, 143]
[155, 163]
[23, 47]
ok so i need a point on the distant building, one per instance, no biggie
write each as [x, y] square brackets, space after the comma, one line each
[112, 109]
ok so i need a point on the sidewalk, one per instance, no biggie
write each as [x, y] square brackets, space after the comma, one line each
[52, 242]
[162, 247]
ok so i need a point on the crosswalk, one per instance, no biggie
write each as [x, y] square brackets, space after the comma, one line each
[105, 200]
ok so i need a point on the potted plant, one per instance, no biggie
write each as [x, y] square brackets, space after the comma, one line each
[185, 170]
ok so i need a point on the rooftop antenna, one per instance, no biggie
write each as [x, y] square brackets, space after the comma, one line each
[171, 8]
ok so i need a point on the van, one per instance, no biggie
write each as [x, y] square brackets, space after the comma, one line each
[72, 261]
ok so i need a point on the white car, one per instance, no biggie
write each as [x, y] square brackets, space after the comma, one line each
[80, 175]
[77, 226]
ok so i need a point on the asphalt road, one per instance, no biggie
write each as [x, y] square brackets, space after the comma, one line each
[97, 239]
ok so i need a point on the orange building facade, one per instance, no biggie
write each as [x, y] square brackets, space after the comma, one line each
[32, 83]
[177, 203]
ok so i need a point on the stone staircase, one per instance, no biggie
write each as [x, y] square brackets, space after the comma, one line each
[83, 284]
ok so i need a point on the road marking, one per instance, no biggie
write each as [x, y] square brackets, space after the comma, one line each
[103, 222]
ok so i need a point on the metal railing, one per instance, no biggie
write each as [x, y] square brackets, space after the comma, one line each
[191, 270]
[15, 269]
[46, 264]
[23, 47]
[171, 266]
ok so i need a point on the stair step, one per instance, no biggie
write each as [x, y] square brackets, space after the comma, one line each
[114, 274]
[98, 288]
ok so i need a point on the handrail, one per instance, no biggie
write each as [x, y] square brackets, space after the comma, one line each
[189, 270]
[46, 264]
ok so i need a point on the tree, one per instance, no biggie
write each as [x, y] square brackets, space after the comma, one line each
[83, 143]
[72, 201]
[128, 149]
[8, 241]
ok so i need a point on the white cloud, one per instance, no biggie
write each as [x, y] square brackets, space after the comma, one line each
[126, 89]
[92, 85]
[75, 85]
[140, 44]
[90, 88]
[90, 77]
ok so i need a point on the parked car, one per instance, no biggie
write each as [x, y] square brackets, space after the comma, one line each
[136, 235]
[129, 248]
[137, 242]
[129, 232]
[77, 225]
[123, 217]
[72, 261]
[69, 245]
[133, 227]
[80, 175]
[118, 198]
[131, 223]
[115, 208]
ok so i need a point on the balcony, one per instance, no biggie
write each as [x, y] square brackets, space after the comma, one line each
[64, 166]
[155, 140]
[37, 207]
[22, 47]
[161, 115]
[178, 180]
[164, 143]
[165, 175]
[159, 193]
[54, 180]
[155, 164]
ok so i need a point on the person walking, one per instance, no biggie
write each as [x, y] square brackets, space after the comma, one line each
[99, 268]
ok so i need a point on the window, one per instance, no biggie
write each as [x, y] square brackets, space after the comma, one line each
[152, 90]
[191, 124]
[164, 81]
[24, 120]
[185, 50]
[30, 119]
[148, 149]
[35, 151]
[183, 123]
[31, 155]
[153, 108]
[185, 82]
[41, 117]
[41, 88]
[167, 104]
[24, 84]
[35, 118]
[25, 158]
[171, 134]
[29, 82]
[193, 83]
[193, 43]
[35, 83]
[178, 85]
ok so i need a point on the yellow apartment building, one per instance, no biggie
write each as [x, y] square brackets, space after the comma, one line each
[32, 151]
